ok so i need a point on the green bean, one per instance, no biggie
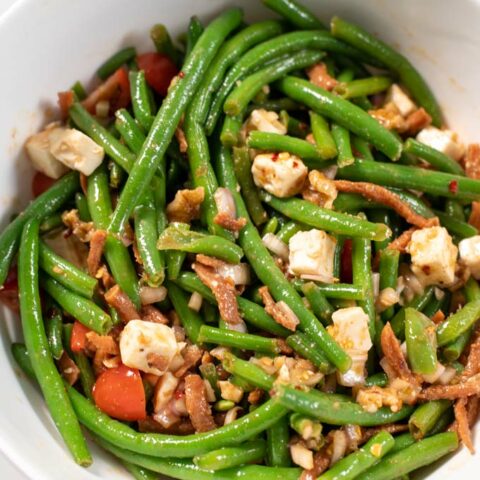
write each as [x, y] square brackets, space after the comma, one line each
[229, 457]
[249, 190]
[472, 290]
[455, 226]
[403, 176]
[408, 75]
[343, 291]
[362, 277]
[84, 310]
[362, 87]
[415, 456]
[320, 306]
[243, 94]
[189, 318]
[351, 202]
[269, 273]
[195, 30]
[264, 52]
[421, 342]
[358, 462]
[278, 437]
[65, 272]
[388, 268]
[174, 258]
[455, 209]
[116, 61]
[308, 349]
[79, 91]
[51, 222]
[275, 105]
[289, 230]
[82, 207]
[377, 380]
[44, 205]
[346, 75]
[117, 255]
[401, 442]
[326, 145]
[140, 95]
[414, 202]
[324, 219]
[458, 323]
[130, 131]
[426, 416]
[159, 445]
[169, 114]
[163, 43]
[53, 330]
[175, 238]
[139, 473]
[296, 14]
[362, 147]
[271, 226]
[248, 371]
[343, 113]
[335, 409]
[20, 354]
[230, 135]
[36, 342]
[245, 341]
[87, 377]
[419, 302]
[295, 127]
[443, 423]
[251, 312]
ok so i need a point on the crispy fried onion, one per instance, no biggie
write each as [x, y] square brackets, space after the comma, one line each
[401, 242]
[279, 311]
[319, 190]
[461, 423]
[385, 197]
[472, 161]
[392, 428]
[319, 76]
[185, 207]
[97, 243]
[198, 407]
[416, 121]
[228, 222]
[82, 230]
[223, 288]
[68, 369]
[191, 357]
[105, 350]
[467, 388]
[121, 302]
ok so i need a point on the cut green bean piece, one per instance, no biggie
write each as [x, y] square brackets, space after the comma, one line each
[141, 103]
[248, 371]
[163, 43]
[388, 269]
[20, 354]
[82, 207]
[319, 304]
[377, 380]
[195, 30]
[326, 145]
[455, 226]
[296, 14]
[458, 323]
[307, 349]
[426, 416]
[278, 438]
[362, 87]
[53, 329]
[118, 59]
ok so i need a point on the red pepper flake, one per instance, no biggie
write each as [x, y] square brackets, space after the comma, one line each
[453, 186]
[275, 156]
[181, 74]
[295, 164]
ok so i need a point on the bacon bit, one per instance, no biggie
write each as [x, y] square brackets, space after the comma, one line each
[389, 117]
[319, 189]
[321, 461]
[401, 242]
[197, 404]
[185, 207]
[451, 392]
[104, 348]
[416, 121]
[222, 288]
[386, 197]
[68, 369]
[82, 230]
[97, 243]
[191, 357]
[472, 161]
[473, 405]
[319, 76]
[276, 311]
[120, 301]
[391, 428]
[181, 139]
[229, 223]
[453, 187]
[438, 318]
[474, 218]
[394, 356]
[150, 425]
[151, 314]
[461, 420]
[255, 396]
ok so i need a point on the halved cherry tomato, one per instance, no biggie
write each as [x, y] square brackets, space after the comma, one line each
[9, 291]
[119, 393]
[346, 262]
[159, 70]
[65, 101]
[78, 340]
[41, 183]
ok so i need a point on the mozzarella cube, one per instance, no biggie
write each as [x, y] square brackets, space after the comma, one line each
[75, 150]
[401, 100]
[469, 250]
[311, 255]
[280, 174]
[38, 150]
[433, 256]
[444, 141]
[150, 347]
[265, 121]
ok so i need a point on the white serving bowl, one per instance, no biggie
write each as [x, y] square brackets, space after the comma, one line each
[46, 45]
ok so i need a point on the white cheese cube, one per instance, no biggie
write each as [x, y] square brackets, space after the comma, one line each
[445, 141]
[433, 256]
[75, 149]
[150, 347]
[311, 255]
[38, 151]
[280, 174]
[401, 100]
[469, 250]
[266, 121]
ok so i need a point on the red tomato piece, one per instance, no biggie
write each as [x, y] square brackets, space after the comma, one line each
[159, 70]
[41, 183]
[346, 262]
[78, 340]
[9, 291]
[119, 393]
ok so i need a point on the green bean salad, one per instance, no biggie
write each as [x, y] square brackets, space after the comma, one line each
[253, 252]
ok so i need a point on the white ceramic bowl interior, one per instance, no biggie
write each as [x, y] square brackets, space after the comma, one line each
[46, 45]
